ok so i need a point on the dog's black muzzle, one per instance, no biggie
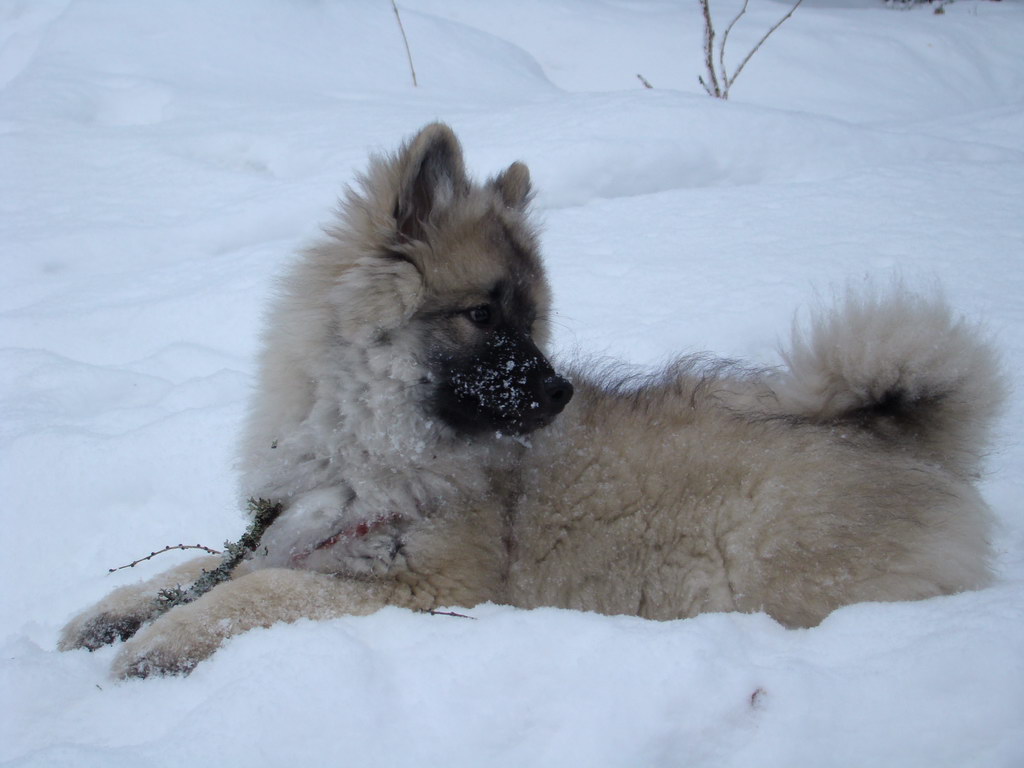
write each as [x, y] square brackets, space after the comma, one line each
[508, 386]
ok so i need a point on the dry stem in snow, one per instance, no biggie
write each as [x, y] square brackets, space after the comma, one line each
[405, 40]
[719, 81]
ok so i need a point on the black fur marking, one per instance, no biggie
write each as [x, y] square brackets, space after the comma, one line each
[506, 386]
[106, 629]
[894, 407]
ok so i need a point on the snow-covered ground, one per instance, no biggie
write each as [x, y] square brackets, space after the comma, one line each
[159, 163]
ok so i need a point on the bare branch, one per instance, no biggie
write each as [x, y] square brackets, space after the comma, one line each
[168, 548]
[405, 40]
[729, 81]
[643, 80]
[721, 45]
[711, 86]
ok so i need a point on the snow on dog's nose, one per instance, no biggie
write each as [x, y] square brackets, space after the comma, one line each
[507, 386]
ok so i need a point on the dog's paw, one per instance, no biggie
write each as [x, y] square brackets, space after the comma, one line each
[155, 659]
[92, 631]
[120, 614]
[172, 645]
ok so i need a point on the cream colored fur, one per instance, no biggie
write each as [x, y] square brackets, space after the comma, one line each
[846, 477]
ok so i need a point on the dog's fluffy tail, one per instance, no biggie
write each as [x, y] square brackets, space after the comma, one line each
[902, 366]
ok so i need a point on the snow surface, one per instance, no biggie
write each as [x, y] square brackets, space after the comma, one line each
[160, 161]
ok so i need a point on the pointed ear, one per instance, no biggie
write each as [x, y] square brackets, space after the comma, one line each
[432, 177]
[513, 184]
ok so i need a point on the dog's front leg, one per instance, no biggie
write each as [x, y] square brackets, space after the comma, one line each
[177, 641]
[330, 530]
[120, 614]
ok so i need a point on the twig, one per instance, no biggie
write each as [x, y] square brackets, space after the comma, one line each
[160, 552]
[450, 613]
[709, 56]
[643, 80]
[725, 38]
[719, 82]
[405, 40]
[760, 42]
[264, 513]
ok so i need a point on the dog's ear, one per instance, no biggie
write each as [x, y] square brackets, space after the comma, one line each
[432, 178]
[513, 184]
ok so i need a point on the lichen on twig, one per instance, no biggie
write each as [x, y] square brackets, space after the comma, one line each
[263, 513]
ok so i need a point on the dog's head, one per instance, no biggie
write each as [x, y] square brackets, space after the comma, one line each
[450, 269]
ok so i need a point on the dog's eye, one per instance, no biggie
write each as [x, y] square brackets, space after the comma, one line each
[481, 315]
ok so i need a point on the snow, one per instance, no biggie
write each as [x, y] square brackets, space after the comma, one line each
[162, 160]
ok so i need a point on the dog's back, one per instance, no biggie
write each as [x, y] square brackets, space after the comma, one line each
[846, 478]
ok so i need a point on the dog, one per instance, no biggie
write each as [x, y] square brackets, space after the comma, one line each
[426, 453]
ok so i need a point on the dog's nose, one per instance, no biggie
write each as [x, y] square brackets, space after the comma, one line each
[557, 393]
